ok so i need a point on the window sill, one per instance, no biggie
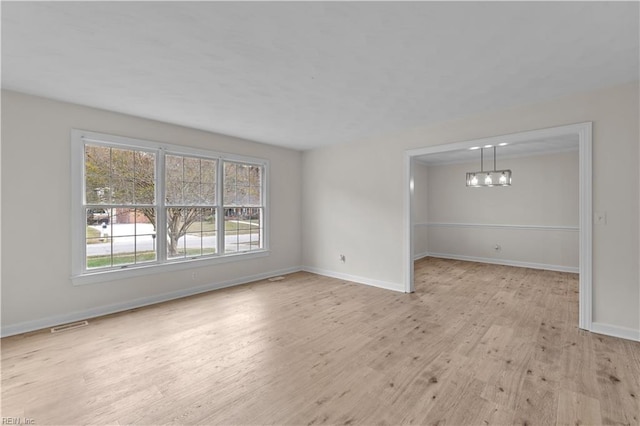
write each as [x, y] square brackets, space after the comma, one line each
[142, 270]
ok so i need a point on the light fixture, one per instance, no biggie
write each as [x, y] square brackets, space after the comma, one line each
[503, 179]
[490, 177]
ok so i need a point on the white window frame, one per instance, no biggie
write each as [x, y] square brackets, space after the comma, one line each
[80, 275]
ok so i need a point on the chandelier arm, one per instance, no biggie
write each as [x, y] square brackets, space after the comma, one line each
[494, 159]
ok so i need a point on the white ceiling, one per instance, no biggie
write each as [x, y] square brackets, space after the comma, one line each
[307, 74]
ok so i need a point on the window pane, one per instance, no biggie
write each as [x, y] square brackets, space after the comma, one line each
[255, 175]
[209, 234]
[173, 181]
[243, 230]
[144, 183]
[119, 176]
[191, 231]
[209, 181]
[255, 240]
[242, 193]
[98, 216]
[122, 176]
[98, 242]
[229, 184]
[97, 174]
[242, 184]
[125, 236]
[229, 193]
[208, 193]
[253, 196]
[242, 171]
[209, 171]
[191, 191]
[190, 180]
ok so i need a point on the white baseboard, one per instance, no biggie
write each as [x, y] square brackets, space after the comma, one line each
[616, 331]
[420, 255]
[506, 262]
[356, 279]
[52, 321]
[27, 326]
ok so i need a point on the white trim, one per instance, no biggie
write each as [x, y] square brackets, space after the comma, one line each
[419, 256]
[407, 200]
[506, 262]
[502, 157]
[616, 331]
[52, 321]
[512, 138]
[81, 275]
[387, 285]
[586, 218]
[500, 226]
[128, 142]
[584, 132]
[159, 268]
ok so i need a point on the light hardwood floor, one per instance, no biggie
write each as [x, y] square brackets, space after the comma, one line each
[476, 344]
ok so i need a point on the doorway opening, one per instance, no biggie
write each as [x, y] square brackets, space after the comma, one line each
[582, 132]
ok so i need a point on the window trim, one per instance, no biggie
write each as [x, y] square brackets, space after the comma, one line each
[79, 274]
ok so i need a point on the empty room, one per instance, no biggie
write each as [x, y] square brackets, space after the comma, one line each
[304, 213]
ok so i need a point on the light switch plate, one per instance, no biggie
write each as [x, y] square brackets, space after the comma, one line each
[600, 218]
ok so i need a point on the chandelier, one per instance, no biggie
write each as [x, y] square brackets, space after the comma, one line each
[488, 177]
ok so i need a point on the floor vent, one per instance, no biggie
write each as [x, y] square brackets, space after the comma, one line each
[71, 326]
[276, 279]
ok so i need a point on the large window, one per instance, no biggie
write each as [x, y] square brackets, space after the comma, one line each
[139, 204]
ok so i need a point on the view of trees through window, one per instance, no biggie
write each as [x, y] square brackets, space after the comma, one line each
[242, 183]
[122, 209]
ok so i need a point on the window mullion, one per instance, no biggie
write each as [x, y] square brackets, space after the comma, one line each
[220, 206]
[161, 211]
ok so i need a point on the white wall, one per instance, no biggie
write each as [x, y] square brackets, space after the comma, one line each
[36, 228]
[353, 195]
[420, 204]
[535, 221]
[351, 204]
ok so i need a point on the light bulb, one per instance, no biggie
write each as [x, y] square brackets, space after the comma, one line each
[474, 180]
[503, 179]
[487, 180]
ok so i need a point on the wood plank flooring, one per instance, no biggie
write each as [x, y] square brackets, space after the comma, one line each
[476, 344]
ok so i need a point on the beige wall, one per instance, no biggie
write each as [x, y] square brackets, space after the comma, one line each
[350, 200]
[36, 228]
[544, 191]
[419, 205]
[353, 194]
[538, 213]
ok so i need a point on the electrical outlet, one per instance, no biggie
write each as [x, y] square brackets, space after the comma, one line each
[600, 218]
[194, 276]
[343, 258]
[497, 247]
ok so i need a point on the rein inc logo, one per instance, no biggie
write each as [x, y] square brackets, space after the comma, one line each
[18, 421]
